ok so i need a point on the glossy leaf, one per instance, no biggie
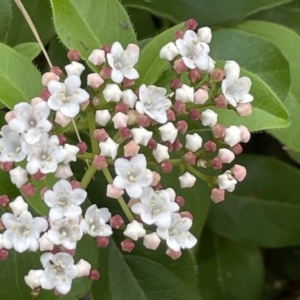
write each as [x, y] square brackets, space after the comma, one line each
[228, 270]
[206, 12]
[28, 50]
[85, 27]
[264, 208]
[19, 79]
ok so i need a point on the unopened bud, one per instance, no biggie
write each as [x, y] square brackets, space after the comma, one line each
[99, 162]
[6, 166]
[143, 121]
[220, 101]
[126, 83]
[186, 214]
[239, 172]
[121, 107]
[4, 200]
[97, 57]
[200, 96]
[179, 200]
[82, 147]
[210, 146]
[226, 156]
[194, 114]
[73, 55]
[178, 35]
[3, 254]
[100, 135]
[28, 190]
[94, 80]
[105, 73]
[173, 254]
[75, 184]
[116, 221]
[56, 70]
[177, 145]
[237, 149]
[124, 133]
[217, 195]
[191, 24]
[216, 163]
[102, 241]
[179, 66]
[94, 275]
[244, 109]
[113, 192]
[190, 158]
[216, 75]
[187, 180]
[170, 115]
[131, 149]
[127, 245]
[151, 241]
[182, 126]
[194, 75]
[175, 84]
[218, 131]
[166, 167]
[45, 94]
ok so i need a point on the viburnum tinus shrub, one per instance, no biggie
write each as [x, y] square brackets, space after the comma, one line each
[135, 135]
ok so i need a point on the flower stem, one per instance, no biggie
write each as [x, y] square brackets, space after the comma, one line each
[121, 200]
[198, 174]
[89, 174]
[92, 127]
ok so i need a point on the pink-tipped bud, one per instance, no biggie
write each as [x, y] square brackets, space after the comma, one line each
[216, 75]
[6, 166]
[178, 35]
[127, 83]
[157, 187]
[94, 275]
[100, 135]
[217, 195]
[175, 84]
[75, 184]
[116, 221]
[49, 76]
[179, 200]
[194, 114]
[127, 245]
[45, 94]
[124, 133]
[166, 167]
[9, 116]
[43, 191]
[106, 48]
[72, 252]
[94, 80]
[56, 70]
[245, 134]
[38, 176]
[99, 162]
[218, 131]
[143, 121]
[200, 96]
[4, 200]
[156, 178]
[105, 73]
[190, 158]
[169, 145]
[131, 149]
[61, 139]
[210, 146]
[61, 119]
[191, 24]
[28, 190]
[73, 55]
[237, 149]
[113, 192]
[152, 144]
[171, 115]
[3, 254]
[173, 254]
[226, 156]
[244, 109]
[122, 107]
[178, 107]
[182, 126]
[34, 101]
[102, 241]
[82, 147]
[186, 214]
[179, 66]
[220, 101]
[177, 145]
[194, 75]
[216, 163]
[239, 172]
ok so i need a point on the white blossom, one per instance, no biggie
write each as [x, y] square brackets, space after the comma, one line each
[141, 135]
[59, 271]
[94, 222]
[31, 121]
[44, 243]
[123, 61]
[74, 68]
[129, 98]
[71, 151]
[161, 153]
[112, 93]
[18, 176]
[168, 132]
[177, 235]
[33, 279]
[185, 94]
[153, 102]
[209, 118]
[226, 181]
[109, 148]
[63, 172]
[155, 207]
[232, 135]
[102, 117]
[66, 97]
[187, 180]
[132, 175]
[134, 230]
[168, 51]
[193, 142]
[22, 232]
[18, 206]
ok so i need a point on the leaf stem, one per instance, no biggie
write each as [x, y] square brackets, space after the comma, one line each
[92, 127]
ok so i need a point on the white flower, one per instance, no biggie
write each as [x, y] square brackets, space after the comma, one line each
[65, 232]
[129, 98]
[33, 279]
[83, 268]
[102, 117]
[31, 121]
[168, 132]
[94, 222]
[154, 103]
[161, 153]
[226, 181]
[155, 207]
[132, 175]
[22, 232]
[59, 271]
[109, 148]
[204, 33]
[177, 235]
[64, 201]
[232, 135]
[71, 152]
[97, 57]
[235, 89]
[66, 97]
[18, 176]
[18, 206]
[141, 135]
[134, 230]
[209, 118]
[185, 94]
[193, 142]
[112, 93]
[187, 180]
[123, 61]
[74, 68]
[168, 51]
[45, 155]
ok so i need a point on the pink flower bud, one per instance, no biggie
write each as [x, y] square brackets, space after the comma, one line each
[178, 107]
[97, 57]
[73, 55]
[116, 221]
[217, 195]
[177, 145]
[173, 254]
[170, 115]
[6, 166]
[175, 84]
[99, 162]
[216, 163]
[102, 241]
[62, 120]
[178, 34]
[94, 275]
[126, 83]
[72, 252]
[200, 96]
[131, 149]
[45, 94]
[125, 133]
[100, 135]
[220, 101]
[82, 147]
[237, 149]
[9, 116]
[4, 200]
[143, 121]
[226, 156]
[210, 146]
[28, 190]
[156, 178]
[105, 73]
[239, 172]
[38, 176]
[106, 48]
[245, 134]
[169, 145]
[120, 120]
[216, 75]
[218, 131]
[56, 70]
[121, 107]
[179, 66]
[190, 158]
[62, 139]
[191, 24]
[194, 114]
[75, 184]
[113, 192]
[34, 101]
[166, 167]
[151, 241]
[94, 80]
[194, 75]
[49, 76]
[182, 126]
[157, 187]
[83, 268]
[179, 200]
[244, 109]
[127, 245]
[186, 214]
[3, 254]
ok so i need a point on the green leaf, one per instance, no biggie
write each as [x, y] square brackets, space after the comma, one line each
[228, 270]
[28, 50]
[88, 25]
[288, 42]
[17, 265]
[5, 17]
[19, 31]
[294, 155]
[150, 65]
[206, 12]
[264, 208]
[19, 79]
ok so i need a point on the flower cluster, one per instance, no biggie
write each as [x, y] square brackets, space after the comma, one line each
[137, 132]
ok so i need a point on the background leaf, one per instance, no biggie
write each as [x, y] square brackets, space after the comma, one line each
[28, 50]
[5, 17]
